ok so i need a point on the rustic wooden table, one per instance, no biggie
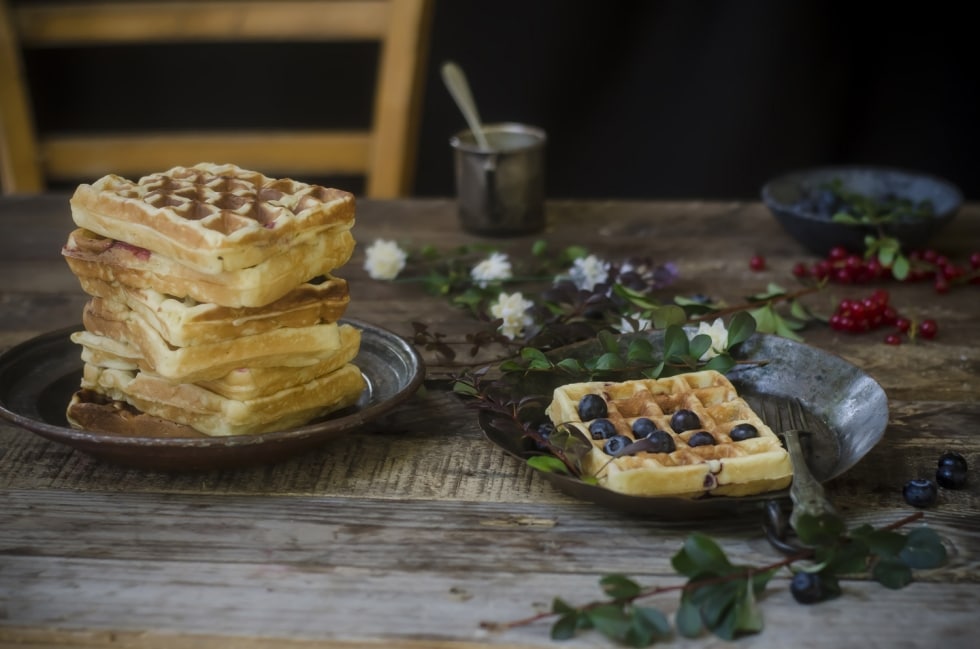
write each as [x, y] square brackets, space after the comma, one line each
[415, 530]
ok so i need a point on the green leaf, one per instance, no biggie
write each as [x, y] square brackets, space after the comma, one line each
[699, 345]
[722, 363]
[609, 620]
[571, 365]
[885, 543]
[511, 366]
[558, 605]
[845, 218]
[609, 361]
[565, 626]
[548, 464]
[533, 355]
[675, 342]
[748, 615]
[619, 586]
[900, 269]
[700, 554]
[465, 389]
[539, 247]
[765, 319]
[923, 549]
[823, 529]
[667, 316]
[785, 329]
[688, 618]
[740, 329]
[846, 558]
[640, 350]
[608, 341]
[653, 619]
[892, 573]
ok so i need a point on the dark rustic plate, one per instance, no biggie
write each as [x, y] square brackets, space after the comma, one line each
[38, 377]
[844, 409]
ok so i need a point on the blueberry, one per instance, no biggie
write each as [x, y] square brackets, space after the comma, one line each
[660, 441]
[616, 443]
[684, 420]
[954, 459]
[743, 432]
[602, 429]
[592, 406]
[950, 476]
[643, 427]
[701, 438]
[807, 588]
[544, 431]
[920, 492]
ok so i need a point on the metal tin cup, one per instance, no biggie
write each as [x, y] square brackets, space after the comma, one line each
[500, 191]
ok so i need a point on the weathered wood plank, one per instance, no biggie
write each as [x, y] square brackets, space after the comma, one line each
[338, 604]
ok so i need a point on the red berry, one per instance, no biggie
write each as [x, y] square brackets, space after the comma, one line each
[903, 324]
[880, 296]
[893, 339]
[975, 260]
[836, 253]
[800, 270]
[928, 329]
[941, 285]
[757, 262]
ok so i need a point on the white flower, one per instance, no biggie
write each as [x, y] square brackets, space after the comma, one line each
[636, 323]
[383, 259]
[494, 268]
[512, 308]
[586, 272]
[718, 334]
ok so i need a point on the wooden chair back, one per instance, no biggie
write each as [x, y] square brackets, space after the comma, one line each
[384, 154]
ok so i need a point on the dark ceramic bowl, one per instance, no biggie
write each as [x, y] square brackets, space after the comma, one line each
[806, 212]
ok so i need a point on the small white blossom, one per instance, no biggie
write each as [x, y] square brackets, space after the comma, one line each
[586, 272]
[512, 308]
[634, 323]
[494, 268]
[718, 334]
[383, 259]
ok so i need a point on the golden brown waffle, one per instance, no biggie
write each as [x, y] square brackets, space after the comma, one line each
[92, 411]
[242, 383]
[212, 218]
[184, 322]
[218, 416]
[727, 467]
[290, 347]
[90, 255]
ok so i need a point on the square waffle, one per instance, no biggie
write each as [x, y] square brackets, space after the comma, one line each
[725, 467]
[242, 383]
[90, 255]
[183, 322]
[212, 218]
[219, 416]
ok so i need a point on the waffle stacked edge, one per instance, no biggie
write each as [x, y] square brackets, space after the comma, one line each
[213, 310]
[726, 467]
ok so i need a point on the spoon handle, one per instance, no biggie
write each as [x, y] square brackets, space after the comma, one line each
[455, 80]
[806, 492]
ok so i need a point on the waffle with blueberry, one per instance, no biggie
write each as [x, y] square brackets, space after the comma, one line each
[685, 436]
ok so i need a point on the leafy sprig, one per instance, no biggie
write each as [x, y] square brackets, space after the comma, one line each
[722, 598]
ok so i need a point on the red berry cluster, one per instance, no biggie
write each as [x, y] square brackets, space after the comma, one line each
[843, 267]
[873, 312]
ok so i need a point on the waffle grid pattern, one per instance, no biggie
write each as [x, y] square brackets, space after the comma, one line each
[709, 395]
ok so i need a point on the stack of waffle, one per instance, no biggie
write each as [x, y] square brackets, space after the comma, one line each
[729, 467]
[213, 309]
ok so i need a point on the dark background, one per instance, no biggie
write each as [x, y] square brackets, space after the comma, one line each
[659, 99]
